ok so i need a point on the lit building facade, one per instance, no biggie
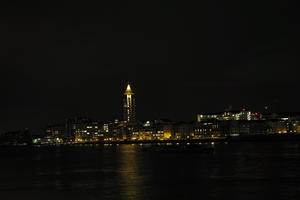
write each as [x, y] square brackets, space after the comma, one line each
[75, 130]
[88, 131]
[129, 105]
[223, 116]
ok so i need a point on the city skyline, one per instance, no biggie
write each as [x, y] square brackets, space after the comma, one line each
[64, 59]
[128, 111]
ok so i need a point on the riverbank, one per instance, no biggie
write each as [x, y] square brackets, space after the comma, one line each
[246, 138]
[261, 137]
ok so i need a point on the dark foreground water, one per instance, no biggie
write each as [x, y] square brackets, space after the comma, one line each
[234, 171]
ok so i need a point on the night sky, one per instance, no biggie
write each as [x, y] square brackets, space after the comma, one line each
[67, 58]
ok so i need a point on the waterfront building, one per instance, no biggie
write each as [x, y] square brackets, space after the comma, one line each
[150, 130]
[79, 129]
[87, 130]
[56, 132]
[276, 126]
[167, 130]
[129, 105]
[182, 130]
[115, 131]
[225, 128]
[207, 129]
[233, 115]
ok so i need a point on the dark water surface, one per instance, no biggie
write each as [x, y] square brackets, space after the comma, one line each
[241, 171]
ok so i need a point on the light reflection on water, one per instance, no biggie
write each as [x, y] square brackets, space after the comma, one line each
[233, 171]
[129, 172]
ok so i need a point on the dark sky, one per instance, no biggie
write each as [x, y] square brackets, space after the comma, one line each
[67, 58]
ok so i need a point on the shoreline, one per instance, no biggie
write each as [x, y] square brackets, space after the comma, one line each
[246, 138]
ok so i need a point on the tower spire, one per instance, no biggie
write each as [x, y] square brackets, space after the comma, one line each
[128, 90]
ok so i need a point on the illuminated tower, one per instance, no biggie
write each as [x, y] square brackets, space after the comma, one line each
[129, 105]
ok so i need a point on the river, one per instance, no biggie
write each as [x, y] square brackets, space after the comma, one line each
[238, 170]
